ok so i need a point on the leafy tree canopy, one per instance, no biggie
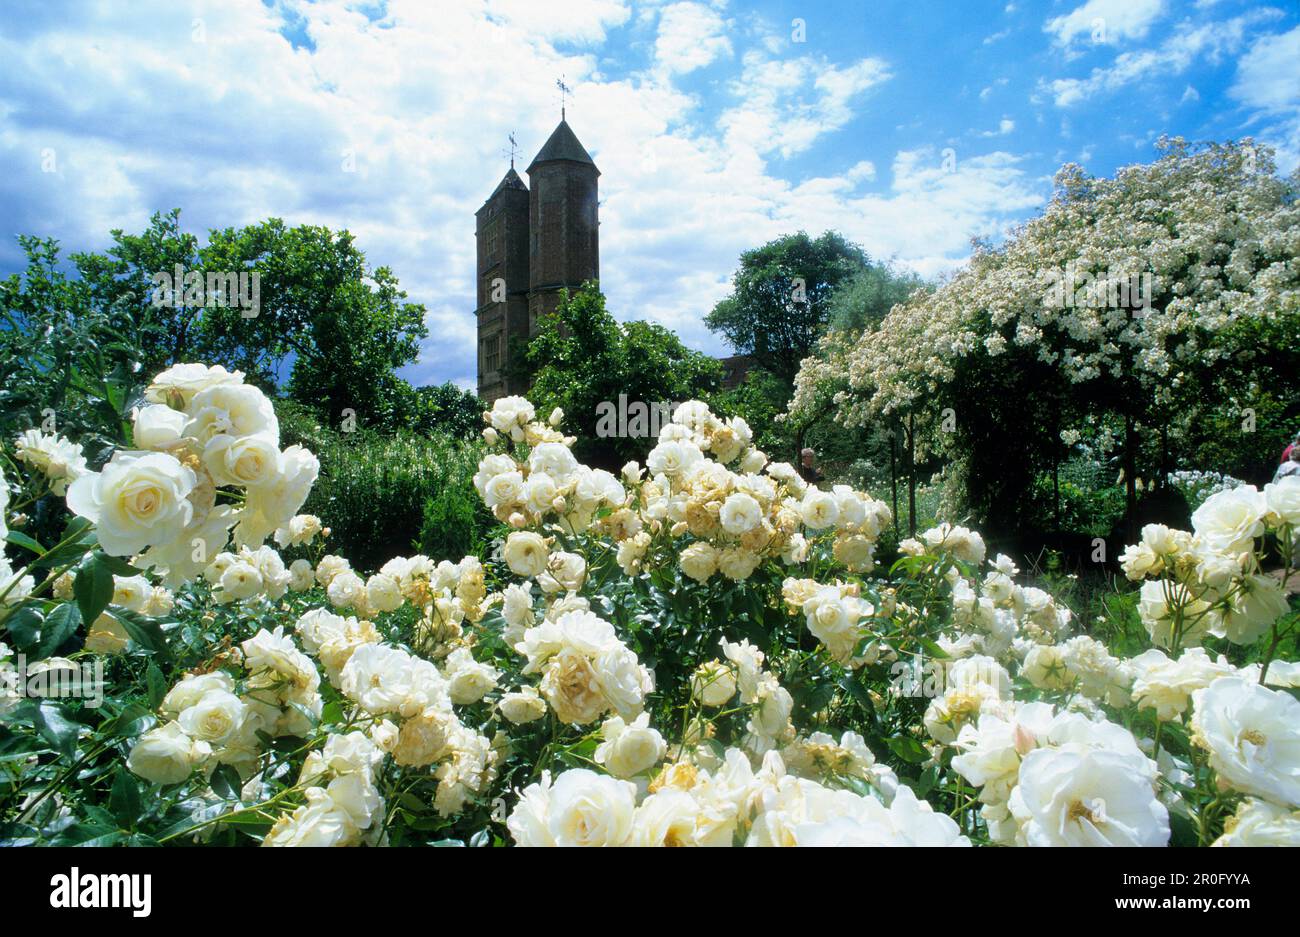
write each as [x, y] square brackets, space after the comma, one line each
[781, 298]
[582, 358]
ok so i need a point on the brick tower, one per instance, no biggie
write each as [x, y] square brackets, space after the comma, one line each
[532, 243]
[501, 228]
[563, 222]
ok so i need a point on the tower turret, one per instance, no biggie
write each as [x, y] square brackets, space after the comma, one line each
[563, 243]
[501, 228]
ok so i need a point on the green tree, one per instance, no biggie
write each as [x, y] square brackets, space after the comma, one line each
[863, 300]
[346, 326]
[446, 408]
[781, 298]
[66, 362]
[582, 358]
[121, 284]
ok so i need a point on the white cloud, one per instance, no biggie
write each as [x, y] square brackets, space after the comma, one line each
[1268, 79]
[1105, 21]
[690, 37]
[1185, 45]
[579, 20]
[244, 127]
[1268, 76]
[786, 104]
[1005, 126]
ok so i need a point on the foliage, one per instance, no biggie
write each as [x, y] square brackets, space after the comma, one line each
[346, 325]
[583, 361]
[375, 489]
[781, 298]
[800, 693]
[1152, 314]
[342, 326]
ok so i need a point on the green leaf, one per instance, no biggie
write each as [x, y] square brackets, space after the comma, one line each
[156, 684]
[17, 538]
[908, 749]
[93, 587]
[78, 538]
[132, 721]
[119, 566]
[60, 625]
[225, 782]
[124, 799]
[57, 727]
[932, 649]
[25, 626]
[145, 632]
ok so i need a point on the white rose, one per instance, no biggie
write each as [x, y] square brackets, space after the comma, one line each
[699, 561]
[1231, 520]
[468, 680]
[383, 593]
[737, 563]
[245, 461]
[239, 581]
[1259, 823]
[216, 717]
[505, 488]
[525, 553]
[630, 748]
[231, 409]
[819, 509]
[193, 688]
[301, 576]
[346, 589]
[157, 426]
[553, 460]
[713, 683]
[523, 706]
[1079, 796]
[1253, 610]
[1253, 736]
[565, 572]
[1157, 613]
[588, 809]
[165, 755]
[139, 499]
[329, 567]
[1282, 499]
[740, 513]
[183, 381]
[131, 592]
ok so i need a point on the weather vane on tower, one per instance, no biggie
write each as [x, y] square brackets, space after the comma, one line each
[564, 90]
[513, 148]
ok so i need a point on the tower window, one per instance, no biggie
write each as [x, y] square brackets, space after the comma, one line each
[492, 243]
[491, 351]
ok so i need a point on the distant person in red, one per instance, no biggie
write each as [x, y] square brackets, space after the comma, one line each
[1291, 466]
[1286, 453]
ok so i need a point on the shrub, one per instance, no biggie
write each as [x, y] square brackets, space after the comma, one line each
[372, 489]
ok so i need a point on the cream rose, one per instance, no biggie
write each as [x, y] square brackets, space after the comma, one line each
[525, 553]
[165, 755]
[139, 499]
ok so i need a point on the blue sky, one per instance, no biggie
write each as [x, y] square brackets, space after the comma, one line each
[909, 126]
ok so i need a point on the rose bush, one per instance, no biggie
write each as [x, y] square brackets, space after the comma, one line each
[699, 651]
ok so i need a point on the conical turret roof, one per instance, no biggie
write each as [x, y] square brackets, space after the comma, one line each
[562, 145]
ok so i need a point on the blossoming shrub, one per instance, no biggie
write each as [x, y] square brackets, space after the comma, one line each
[698, 651]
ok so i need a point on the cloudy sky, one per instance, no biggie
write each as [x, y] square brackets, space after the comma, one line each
[910, 126]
